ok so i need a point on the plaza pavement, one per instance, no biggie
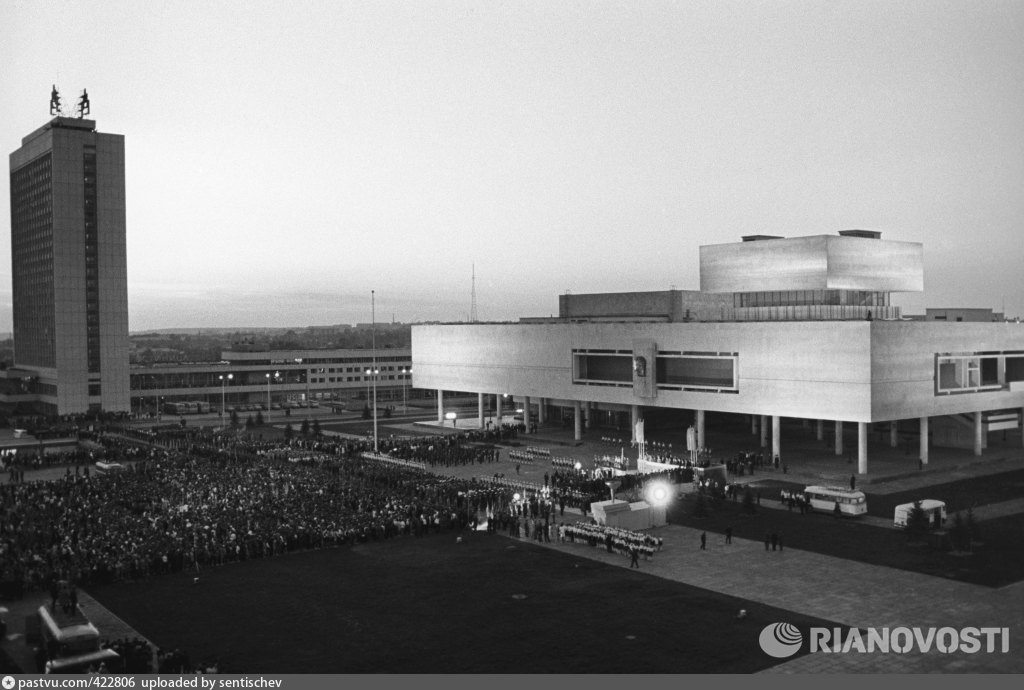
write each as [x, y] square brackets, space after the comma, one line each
[840, 590]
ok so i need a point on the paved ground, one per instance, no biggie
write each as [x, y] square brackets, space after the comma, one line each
[836, 589]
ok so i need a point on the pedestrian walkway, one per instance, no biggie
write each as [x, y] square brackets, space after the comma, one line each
[844, 591]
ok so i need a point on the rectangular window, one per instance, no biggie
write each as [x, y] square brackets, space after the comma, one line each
[698, 372]
[967, 373]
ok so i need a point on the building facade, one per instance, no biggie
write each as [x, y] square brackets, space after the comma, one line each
[69, 270]
[262, 379]
[782, 328]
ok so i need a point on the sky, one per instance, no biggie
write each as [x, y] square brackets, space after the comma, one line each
[285, 159]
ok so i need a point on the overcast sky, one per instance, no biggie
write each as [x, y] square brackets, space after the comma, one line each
[286, 158]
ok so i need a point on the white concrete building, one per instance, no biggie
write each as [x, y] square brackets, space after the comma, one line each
[782, 328]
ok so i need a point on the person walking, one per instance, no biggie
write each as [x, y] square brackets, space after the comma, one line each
[728, 535]
[703, 541]
[634, 561]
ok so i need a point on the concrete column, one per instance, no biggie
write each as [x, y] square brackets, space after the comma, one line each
[862, 447]
[526, 413]
[440, 406]
[924, 441]
[821, 429]
[498, 412]
[588, 408]
[480, 408]
[805, 423]
[839, 437]
[578, 420]
[542, 415]
[634, 417]
[700, 429]
[894, 436]
[776, 440]
[977, 433]
[764, 431]
[753, 425]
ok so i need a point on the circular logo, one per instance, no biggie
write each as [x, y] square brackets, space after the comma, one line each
[781, 640]
[8, 682]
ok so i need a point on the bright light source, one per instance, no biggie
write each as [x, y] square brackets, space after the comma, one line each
[516, 497]
[450, 415]
[658, 494]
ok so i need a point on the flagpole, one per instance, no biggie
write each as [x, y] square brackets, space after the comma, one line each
[373, 342]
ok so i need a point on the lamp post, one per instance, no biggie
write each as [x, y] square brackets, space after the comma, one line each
[372, 376]
[275, 376]
[405, 400]
[224, 378]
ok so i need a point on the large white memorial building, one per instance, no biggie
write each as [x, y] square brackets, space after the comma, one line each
[798, 327]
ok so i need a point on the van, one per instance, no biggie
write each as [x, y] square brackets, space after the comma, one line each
[935, 510]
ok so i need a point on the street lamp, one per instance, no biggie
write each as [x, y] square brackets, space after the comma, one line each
[275, 376]
[405, 401]
[372, 373]
[224, 378]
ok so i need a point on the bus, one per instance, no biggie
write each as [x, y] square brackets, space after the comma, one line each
[826, 498]
[189, 407]
[72, 643]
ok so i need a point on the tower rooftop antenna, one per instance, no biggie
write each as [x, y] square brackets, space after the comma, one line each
[472, 307]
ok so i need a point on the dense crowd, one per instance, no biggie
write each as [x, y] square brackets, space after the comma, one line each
[173, 512]
[615, 539]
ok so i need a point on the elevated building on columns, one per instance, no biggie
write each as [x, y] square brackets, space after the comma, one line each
[799, 327]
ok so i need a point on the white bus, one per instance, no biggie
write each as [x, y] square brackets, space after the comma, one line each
[826, 498]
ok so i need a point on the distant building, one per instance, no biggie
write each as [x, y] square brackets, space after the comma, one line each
[252, 381]
[69, 270]
[797, 327]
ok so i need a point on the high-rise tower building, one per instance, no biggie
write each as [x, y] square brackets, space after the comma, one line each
[70, 294]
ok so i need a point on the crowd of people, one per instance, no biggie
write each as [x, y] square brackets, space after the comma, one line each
[188, 500]
[615, 539]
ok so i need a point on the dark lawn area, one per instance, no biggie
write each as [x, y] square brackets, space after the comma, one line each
[998, 561]
[363, 427]
[431, 605]
[958, 495]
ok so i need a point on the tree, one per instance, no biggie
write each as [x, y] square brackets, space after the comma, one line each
[304, 429]
[250, 423]
[259, 419]
[234, 418]
[700, 507]
[917, 523]
[366, 412]
[316, 428]
[288, 432]
[973, 530]
[959, 535]
[749, 506]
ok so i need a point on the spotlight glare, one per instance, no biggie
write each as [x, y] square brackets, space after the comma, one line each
[658, 494]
